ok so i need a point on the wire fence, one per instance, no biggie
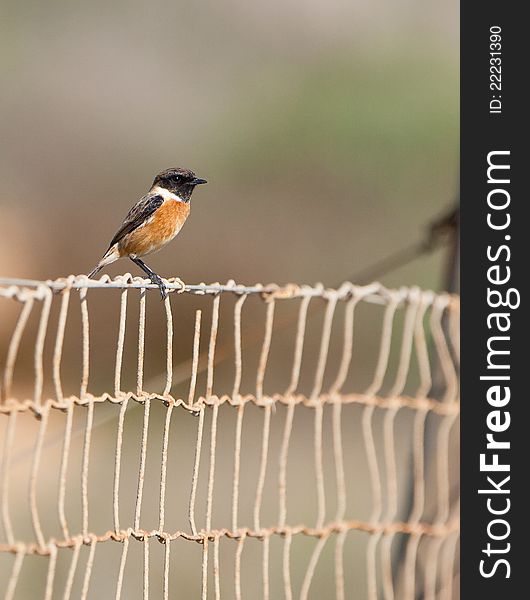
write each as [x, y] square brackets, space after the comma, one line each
[303, 453]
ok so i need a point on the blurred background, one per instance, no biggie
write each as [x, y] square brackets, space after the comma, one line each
[328, 133]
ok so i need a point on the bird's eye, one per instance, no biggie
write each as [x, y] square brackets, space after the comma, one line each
[177, 178]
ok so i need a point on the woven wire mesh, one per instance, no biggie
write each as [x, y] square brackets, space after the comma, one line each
[300, 441]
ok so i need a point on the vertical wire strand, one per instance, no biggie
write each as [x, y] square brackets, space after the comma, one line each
[371, 568]
[310, 572]
[392, 499]
[37, 454]
[447, 566]
[446, 362]
[299, 345]
[63, 471]
[71, 571]
[169, 348]
[282, 472]
[9, 440]
[120, 343]
[88, 569]
[121, 571]
[167, 550]
[418, 502]
[211, 346]
[195, 359]
[240, 409]
[145, 595]
[239, 552]
[163, 470]
[14, 345]
[347, 345]
[443, 446]
[195, 476]
[443, 504]
[265, 567]
[211, 472]
[340, 478]
[411, 553]
[384, 347]
[141, 343]
[204, 586]
[141, 470]
[117, 466]
[422, 352]
[258, 499]
[324, 346]
[217, 583]
[15, 573]
[265, 349]
[237, 345]
[319, 467]
[264, 356]
[340, 475]
[286, 567]
[50, 576]
[317, 388]
[340, 587]
[431, 568]
[237, 465]
[215, 413]
[85, 328]
[407, 341]
[454, 329]
[39, 345]
[85, 464]
[59, 342]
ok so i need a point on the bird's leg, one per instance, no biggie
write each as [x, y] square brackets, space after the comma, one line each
[152, 276]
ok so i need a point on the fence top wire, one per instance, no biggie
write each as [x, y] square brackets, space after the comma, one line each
[375, 293]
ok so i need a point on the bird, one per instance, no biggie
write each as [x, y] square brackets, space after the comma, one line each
[153, 222]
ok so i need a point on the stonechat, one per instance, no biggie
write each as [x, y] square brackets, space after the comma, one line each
[153, 221]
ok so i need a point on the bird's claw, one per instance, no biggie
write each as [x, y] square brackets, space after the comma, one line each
[161, 285]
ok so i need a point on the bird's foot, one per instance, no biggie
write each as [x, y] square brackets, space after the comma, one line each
[161, 285]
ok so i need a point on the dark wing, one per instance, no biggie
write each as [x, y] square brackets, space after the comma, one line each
[137, 216]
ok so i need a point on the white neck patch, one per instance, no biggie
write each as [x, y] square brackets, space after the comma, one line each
[166, 194]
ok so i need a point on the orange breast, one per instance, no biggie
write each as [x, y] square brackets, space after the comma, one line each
[167, 221]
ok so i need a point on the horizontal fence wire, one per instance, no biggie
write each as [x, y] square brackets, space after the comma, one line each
[404, 422]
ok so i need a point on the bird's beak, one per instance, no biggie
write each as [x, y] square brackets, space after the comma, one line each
[198, 181]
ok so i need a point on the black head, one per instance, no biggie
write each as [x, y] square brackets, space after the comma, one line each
[181, 182]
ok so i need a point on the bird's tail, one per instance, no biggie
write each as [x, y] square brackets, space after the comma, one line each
[94, 272]
[110, 256]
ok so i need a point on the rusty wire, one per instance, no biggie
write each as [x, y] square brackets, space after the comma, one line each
[440, 535]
